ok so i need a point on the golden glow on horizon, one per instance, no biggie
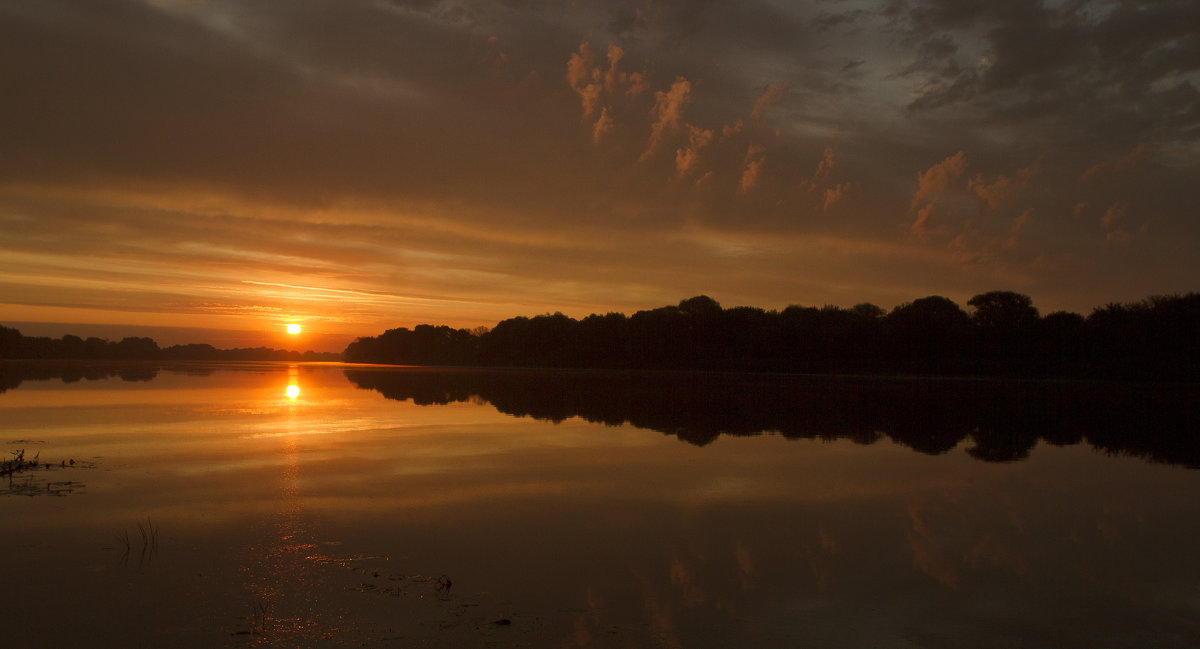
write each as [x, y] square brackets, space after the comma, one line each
[293, 329]
[293, 391]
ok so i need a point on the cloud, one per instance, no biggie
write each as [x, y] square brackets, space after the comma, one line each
[966, 251]
[1066, 71]
[1017, 226]
[1113, 214]
[930, 186]
[835, 194]
[937, 178]
[922, 226]
[583, 78]
[667, 113]
[603, 125]
[685, 158]
[1002, 188]
[613, 78]
[1021, 220]
[755, 157]
[579, 66]
[825, 166]
[441, 145]
[1121, 165]
[772, 93]
[637, 84]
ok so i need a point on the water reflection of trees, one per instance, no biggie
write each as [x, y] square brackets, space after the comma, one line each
[14, 372]
[1003, 419]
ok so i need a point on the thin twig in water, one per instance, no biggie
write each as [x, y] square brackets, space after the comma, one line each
[124, 538]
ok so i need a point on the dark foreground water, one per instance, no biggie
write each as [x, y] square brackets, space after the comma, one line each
[328, 505]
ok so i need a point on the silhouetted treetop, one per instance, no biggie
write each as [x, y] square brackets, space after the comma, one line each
[1003, 310]
[14, 345]
[1003, 335]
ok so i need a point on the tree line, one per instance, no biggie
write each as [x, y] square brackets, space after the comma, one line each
[1003, 334]
[15, 345]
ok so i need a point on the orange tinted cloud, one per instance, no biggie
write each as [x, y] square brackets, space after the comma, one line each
[921, 226]
[685, 158]
[667, 112]
[753, 165]
[835, 194]
[1113, 214]
[167, 150]
[825, 166]
[582, 77]
[1002, 188]
[613, 78]
[772, 93]
[937, 178]
[603, 125]
[1125, 163]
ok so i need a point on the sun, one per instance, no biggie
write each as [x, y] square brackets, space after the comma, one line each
[293, 329]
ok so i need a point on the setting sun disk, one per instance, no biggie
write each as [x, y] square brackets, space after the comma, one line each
[293, 329]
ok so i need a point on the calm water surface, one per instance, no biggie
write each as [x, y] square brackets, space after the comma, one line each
[321, 505]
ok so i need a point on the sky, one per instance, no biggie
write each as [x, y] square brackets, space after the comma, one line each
[188, 166]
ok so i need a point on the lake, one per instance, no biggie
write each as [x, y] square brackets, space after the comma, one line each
[277, 505]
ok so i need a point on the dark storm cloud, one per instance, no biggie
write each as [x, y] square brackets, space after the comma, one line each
[1128, 68]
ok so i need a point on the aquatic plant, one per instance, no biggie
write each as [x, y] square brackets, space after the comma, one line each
[30, 485]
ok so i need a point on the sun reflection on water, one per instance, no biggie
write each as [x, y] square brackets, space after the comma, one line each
[293, 385]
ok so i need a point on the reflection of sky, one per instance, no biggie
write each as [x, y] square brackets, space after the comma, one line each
[599, 532]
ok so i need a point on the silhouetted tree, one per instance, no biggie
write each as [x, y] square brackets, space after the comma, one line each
[929, 335]
[10, 342]
[1006, 326]
[1004, 335]
[1060, 342]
